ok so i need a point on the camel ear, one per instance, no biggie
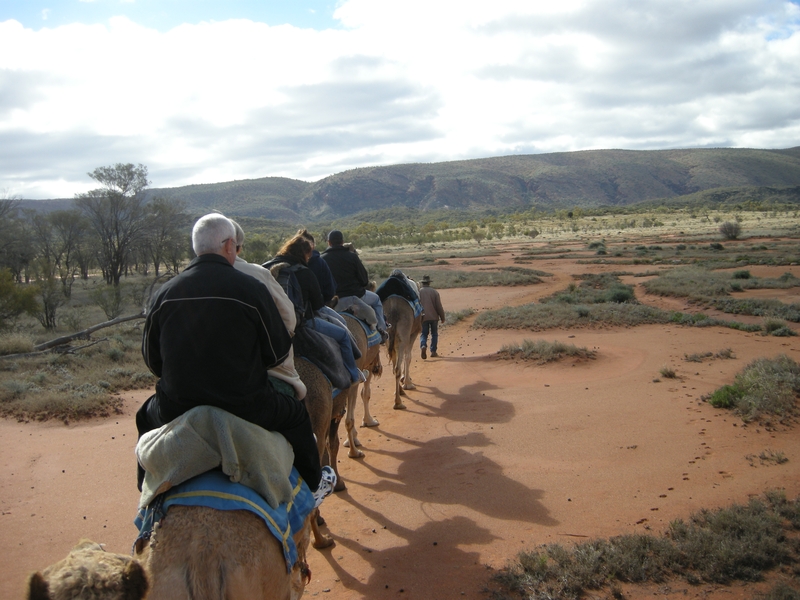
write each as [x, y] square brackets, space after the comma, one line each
[38, 588]
[135, 584]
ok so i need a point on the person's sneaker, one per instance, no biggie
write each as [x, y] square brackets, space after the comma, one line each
[384, 336]
[364, 374]
[423, 352]
[326, 485]
[434, 355]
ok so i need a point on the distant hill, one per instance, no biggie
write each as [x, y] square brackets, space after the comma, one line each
[588, 178]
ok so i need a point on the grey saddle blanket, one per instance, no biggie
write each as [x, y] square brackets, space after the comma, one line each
[356, 306]
[205, 438]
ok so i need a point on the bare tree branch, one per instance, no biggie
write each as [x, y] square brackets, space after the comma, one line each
[86, 332]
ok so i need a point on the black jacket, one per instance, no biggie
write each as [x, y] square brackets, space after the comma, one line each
[347, 269]
[211, 334]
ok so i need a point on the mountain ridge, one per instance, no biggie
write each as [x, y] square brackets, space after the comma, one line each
[586, 178]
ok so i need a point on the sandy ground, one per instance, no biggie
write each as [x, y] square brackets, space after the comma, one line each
[492, 457]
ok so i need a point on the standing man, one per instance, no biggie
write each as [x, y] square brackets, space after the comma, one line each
[211, 335]
[432, 313]
[351, 276]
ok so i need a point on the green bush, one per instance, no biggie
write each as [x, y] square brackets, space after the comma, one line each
[765, 388]
[726, 396]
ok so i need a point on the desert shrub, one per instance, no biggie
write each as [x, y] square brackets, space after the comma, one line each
[594, 289]
[543, 352]
[726, 396]
[725, 353]
[15, 343]
[538, 317]
[777, 328]
[759, 307]
[689, 282]
[15, 300]
[737, 543]
[74, 385]
[109, 299]
[763, 389]
[780, 591]
[741, 275]
[740, 542]
[668, 373]
[453, 317]
[730, 230]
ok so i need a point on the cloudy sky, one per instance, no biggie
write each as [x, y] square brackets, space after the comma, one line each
[203, 91]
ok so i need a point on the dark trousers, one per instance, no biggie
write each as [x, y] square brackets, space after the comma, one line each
[282, 414]
[433, 327]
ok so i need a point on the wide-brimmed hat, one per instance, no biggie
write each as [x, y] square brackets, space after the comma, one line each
[426, 279]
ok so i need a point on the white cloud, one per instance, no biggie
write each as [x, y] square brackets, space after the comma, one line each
[412, 81]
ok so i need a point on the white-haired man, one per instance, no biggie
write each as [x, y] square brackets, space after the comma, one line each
[211, 335]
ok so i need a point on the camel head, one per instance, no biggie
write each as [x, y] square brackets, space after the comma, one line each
[90, 573]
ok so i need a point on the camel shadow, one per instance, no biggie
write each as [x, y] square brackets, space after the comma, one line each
[427, 550]
[446, 471]
[469, 404]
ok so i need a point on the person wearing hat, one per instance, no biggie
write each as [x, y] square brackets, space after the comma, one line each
[432, 313]
[351, 276]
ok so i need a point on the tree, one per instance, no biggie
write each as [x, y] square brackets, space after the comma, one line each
[15, 249]
[118, 215]
[168, 223]
[56, 238]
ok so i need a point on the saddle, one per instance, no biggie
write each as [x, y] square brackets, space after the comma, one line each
[358, 308]
[209, 457]
[324, 352]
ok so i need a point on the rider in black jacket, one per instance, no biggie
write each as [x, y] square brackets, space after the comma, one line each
[351, 276]
[211, 334]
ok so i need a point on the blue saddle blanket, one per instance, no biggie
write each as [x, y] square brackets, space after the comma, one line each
[214, 489]
[373, 336]
[415, 305]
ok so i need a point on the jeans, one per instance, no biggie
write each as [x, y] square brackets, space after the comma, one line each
[433, 327]
[374, 301]
[342, 336]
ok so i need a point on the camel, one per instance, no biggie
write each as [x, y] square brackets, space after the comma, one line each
[371, 362]
[200, 552]
[194, 552]
[90, 573]
[405, 329]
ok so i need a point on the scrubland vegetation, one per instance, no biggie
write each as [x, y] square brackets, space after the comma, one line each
[543, 351]
[765, 390]
[738, 543]
[63, 271]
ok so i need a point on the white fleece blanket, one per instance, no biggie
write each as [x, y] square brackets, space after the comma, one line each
[206, 437]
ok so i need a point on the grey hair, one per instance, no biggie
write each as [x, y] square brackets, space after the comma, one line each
[239, 233]
[210, 232]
